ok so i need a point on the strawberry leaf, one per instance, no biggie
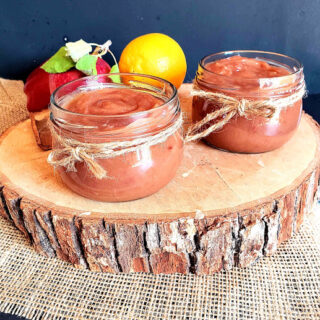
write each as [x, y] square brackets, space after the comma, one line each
[59, 62]
[115, 78]
[87, 64]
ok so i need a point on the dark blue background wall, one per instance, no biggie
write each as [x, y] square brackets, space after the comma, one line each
[30, 31]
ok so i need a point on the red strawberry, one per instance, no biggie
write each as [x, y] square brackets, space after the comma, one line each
[41, 84]
[58, 79]
[102, 66]
[37, 90]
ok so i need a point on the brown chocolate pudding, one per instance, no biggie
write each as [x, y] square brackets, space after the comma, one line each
[114, 114]
[259, 78]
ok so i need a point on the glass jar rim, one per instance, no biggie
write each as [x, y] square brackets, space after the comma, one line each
[139, 113]
[238, 52]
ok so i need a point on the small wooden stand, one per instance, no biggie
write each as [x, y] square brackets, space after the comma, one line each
[221, 210]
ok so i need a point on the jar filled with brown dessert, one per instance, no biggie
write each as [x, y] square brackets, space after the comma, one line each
[247, 101]
[116, 141]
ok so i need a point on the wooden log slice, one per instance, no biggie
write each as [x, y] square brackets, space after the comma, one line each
[221, 210]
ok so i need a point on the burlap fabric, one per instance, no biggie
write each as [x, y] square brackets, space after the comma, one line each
[12, 103]
[285, 286]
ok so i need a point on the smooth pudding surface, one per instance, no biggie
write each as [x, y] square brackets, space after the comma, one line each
[248, 68]
[112, 101]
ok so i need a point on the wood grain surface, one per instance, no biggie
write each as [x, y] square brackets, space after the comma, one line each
[221, 210]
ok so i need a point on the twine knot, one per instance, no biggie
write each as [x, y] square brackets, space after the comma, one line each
[232, 107]
[241, 107]
[70, 151]
[77, 153]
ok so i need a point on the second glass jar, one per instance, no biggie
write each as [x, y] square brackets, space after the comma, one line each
[257, 133]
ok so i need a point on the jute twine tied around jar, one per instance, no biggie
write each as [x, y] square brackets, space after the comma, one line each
[72, 151]
[232, 107]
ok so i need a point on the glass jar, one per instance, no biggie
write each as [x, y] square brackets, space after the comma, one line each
[146, 146]
[255, 133]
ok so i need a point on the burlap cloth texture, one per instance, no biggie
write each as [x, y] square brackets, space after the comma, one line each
[284, 286]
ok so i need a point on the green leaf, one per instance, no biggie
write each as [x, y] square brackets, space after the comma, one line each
[87, 64]
[59, 62]
[115, 78]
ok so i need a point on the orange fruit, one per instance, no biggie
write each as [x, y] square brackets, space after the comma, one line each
[155, 54]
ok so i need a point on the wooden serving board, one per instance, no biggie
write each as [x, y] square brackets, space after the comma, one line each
[221, 210]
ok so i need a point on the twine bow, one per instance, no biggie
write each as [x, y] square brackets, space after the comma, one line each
[71, 151]
[70, 154]
[232, 107]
